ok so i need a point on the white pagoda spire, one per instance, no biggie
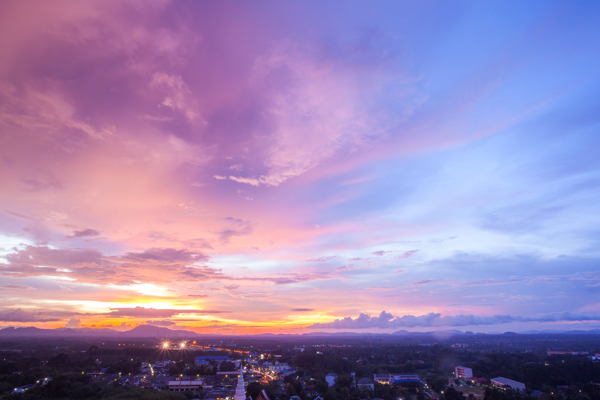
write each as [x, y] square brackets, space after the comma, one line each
[240, 391]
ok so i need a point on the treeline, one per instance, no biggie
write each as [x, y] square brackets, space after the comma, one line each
[76, 386]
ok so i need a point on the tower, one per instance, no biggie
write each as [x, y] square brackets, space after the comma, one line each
[240, 391]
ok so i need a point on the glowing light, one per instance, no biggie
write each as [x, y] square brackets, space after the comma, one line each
[182, 345]
[165, 345]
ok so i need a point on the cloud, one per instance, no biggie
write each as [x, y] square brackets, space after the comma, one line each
[237, 227]
[19, 315]
[142, 312]
[89, 265]
[489, 282]
[345, 268]
[320, 259]
[161, 323]
[155, 265]
[73, 323]
[178, 94]
[12, 286]
[387, 320]
[302, 309]
[83, 233]
[167, 255]
[423, 282]
[231, 287]
[322, 100]
[380, 252]
[198, 295]
[399, 271]
[406, 254]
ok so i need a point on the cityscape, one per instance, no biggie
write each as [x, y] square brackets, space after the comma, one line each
[300, 199]
[297, 367]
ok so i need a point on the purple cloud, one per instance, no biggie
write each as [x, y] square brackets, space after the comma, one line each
[83, 233]
[387, 320]
[320, 259]
[20, 315]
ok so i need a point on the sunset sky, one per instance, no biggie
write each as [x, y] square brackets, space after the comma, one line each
[300, 166]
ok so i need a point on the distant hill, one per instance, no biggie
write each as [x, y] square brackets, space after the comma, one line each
[152, 331]
[141, 331]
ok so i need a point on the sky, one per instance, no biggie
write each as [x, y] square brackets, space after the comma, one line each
[302, 166]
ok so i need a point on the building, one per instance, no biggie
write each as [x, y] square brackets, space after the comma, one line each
[504, 382]
[395, 378]
[461, 372]
[198, 360]
[574, 353]
[330, 378]
[381, 378]
[185, 386]
[479, 381]
[404, 378]
[365, 383]
[280, 367]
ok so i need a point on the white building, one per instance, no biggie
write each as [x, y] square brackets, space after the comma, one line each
[330, 378]
[280, 367]
[185, 386]
[365, 383]
[461, 372]
[503, 382]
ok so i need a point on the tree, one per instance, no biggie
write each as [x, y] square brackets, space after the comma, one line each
[227, 366]
[437, 382]
[321, 387]
[452, 394]
[253, 390]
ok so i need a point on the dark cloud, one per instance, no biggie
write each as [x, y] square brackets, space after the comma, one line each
[302, 309]
[142, 312]
[19, 315]
[387, 320]
[83, 233]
